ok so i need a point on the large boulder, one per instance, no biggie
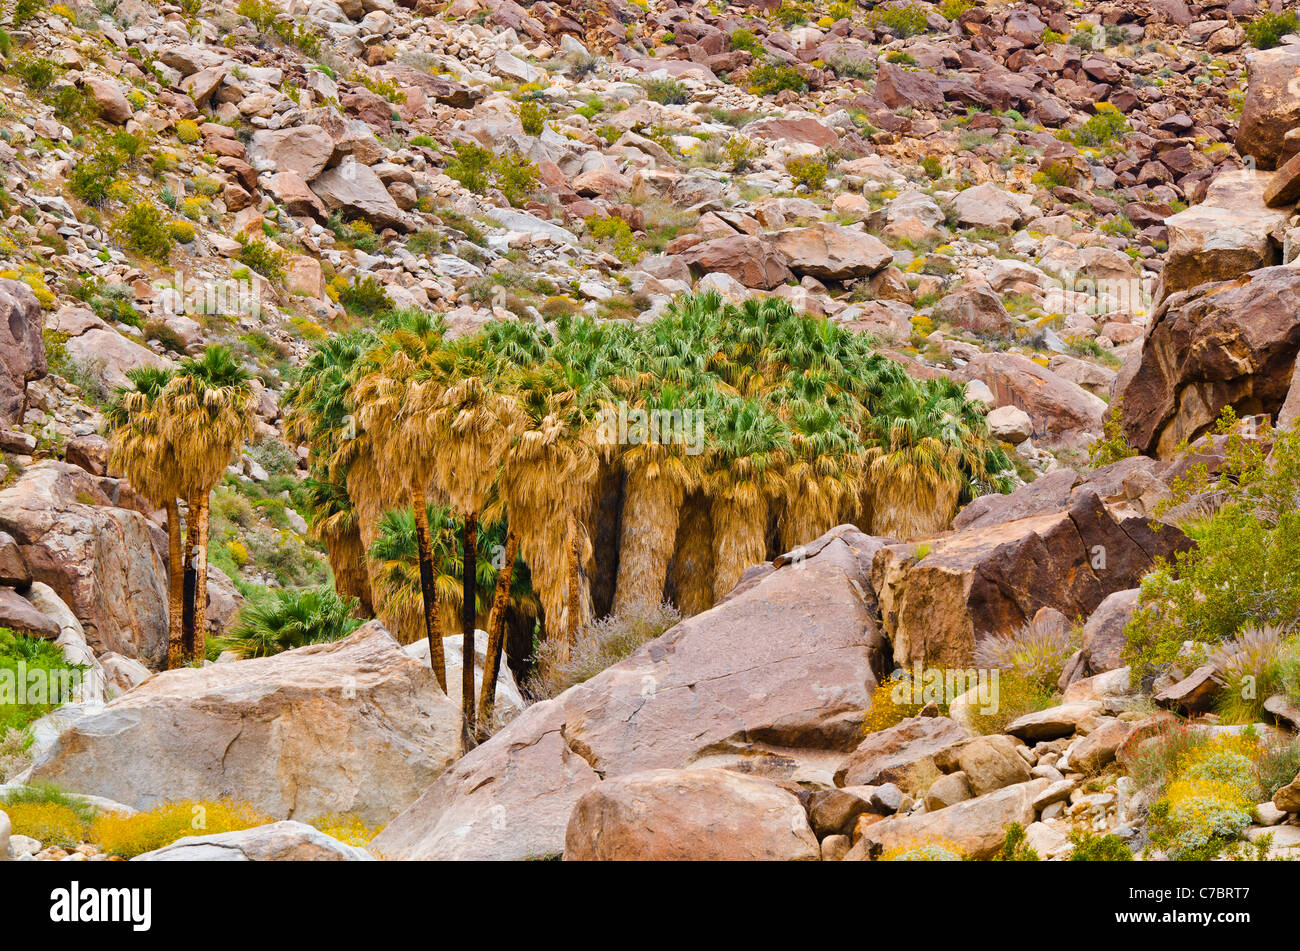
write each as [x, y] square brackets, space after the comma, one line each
[355, 726]
[22, 349]
[108, 563]
[692, 814]
[832, 252]
[285, 841]
[987, 206]
[1103, 634]
[304, 150]
[775, 677]
[1062, 414]
[991, 579]
[978, 827]
[357, 191]
[887, 755]
[1233, 343]
[99, 349]
[754, 262]
[1272, 106]
[1233, 231]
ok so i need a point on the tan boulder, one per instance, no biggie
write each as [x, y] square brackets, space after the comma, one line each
[832, 252]
[754, 262]
[304, 150]
[285, 841]
[888, 755]
[689, 814]
[353, 726]
[1272, 106]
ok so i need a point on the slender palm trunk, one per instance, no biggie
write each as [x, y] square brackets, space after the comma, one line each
[429, 588]
[469, 589]
[189, 579]
[496, 632]
[175, 586]
[201, 582]
[649, 531]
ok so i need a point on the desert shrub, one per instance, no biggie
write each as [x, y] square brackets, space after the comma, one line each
[1014, 848]
[478, 170]
[667, 92]
[770, 78]
[739, 154]
[364, 297]
[598, 645]
[1016, 696]
[1251, 664]
[347, 828]
[1266, 30]
[187, 130]
[1154, 762]
[1106, 125]
[129, 836]
[533, 116]
[1090, 847]
[76, 107]
[953, 9]
[1197, 819]
[890, 703]
[25, 11]
[1245, 569]
[809, 171]
[902, 20]
[744, 39]
[284, 620]
[1277, 764]
[931, 166]
[182, 231]
[36, 73]
[142, 228]
[32, 654]
[49, 815]
[1036, 651]
[1231, 767]
[618, 233]
[937, 850]
[262, 257]
[15, 752]
[1112, 445]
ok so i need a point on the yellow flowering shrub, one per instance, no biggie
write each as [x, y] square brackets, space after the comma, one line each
[187, 130]
[50, 823]
[129, 836]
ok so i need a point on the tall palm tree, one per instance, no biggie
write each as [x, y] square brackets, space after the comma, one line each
[396, 382]
[212, 416]
[661, 469]
[143, 453]
[746, 474]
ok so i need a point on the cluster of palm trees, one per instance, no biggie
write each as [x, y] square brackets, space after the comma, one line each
[416, 434]
[173, 433]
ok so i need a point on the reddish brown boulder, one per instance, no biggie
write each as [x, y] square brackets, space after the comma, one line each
[1063, 414]
[897, 87]
[22, 349]
[806, 131]
[1272, 105]
[754, 262]
[1233, 343]
[886, 756]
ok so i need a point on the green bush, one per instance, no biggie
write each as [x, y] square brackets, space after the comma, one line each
[533, 116]
[771, 78]
[90, 178]
[667, 92]
[1106, 125]
[20, 652]
[263, 258]
[904, 20]
[26, 10]
[1014, 848]
[365, 298]
[143, 229]
[478, 170]
[1266, 31]
[1089, 847]
[809, 171]
[1250, 544]
[618, 233]
[37, 74]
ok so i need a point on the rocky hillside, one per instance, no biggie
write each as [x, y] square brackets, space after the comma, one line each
[314, 318]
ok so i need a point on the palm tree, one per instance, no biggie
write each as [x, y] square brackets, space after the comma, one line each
[282, 620]
[661, 469]
[746, 474]
[397, 381]
[211, 416]
[143, 454]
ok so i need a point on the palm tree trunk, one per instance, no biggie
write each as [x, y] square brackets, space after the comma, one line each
[175, 586]
[739, 540]
[428, 588]
[201, 583]
[469, 588]
[650, 515]
[693, 565]
[496, 631]
[189, 580]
